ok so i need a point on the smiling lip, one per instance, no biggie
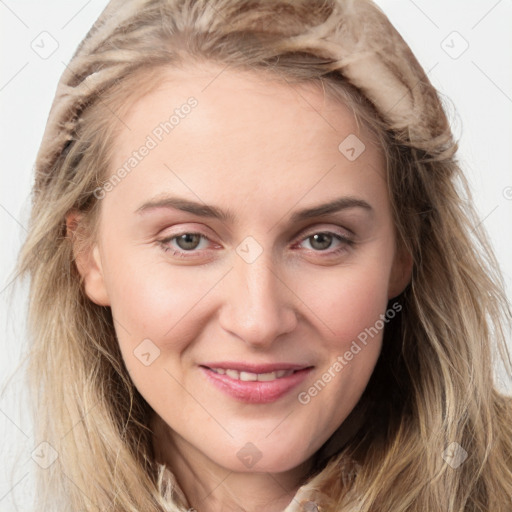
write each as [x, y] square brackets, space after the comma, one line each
[268, 389]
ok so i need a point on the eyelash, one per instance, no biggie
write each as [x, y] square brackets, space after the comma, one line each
[185, 254]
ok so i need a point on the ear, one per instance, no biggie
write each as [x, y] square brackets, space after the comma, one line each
[401, 272]
[87, 258]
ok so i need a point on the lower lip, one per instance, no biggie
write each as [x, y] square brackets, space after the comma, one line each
[256, 392]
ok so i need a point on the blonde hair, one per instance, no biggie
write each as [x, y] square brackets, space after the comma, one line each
[433, 384]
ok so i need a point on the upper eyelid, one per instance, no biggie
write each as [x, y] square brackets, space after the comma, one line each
[312, 224]
[177, 235]
[305, 233]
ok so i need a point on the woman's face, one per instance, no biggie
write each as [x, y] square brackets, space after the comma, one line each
[247, 252]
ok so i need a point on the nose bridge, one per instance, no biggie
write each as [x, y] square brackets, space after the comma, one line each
[258, 306]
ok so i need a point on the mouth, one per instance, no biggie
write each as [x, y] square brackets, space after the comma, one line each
[255, 383]
[252, 377]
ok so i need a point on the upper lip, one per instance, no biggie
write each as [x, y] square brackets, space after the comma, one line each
[255, 368]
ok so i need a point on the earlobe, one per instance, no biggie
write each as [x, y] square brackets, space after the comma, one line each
[88, 260]
[401, 273]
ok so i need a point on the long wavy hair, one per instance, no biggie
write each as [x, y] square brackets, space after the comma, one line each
[433, 384]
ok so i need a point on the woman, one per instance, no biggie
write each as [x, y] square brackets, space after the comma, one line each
[254, 283]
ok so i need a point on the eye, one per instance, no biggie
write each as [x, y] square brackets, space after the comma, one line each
[321, 241]
[324, 240]
[182, 243]
[188, 241]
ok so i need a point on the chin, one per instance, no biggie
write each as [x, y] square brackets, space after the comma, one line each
[254, 458]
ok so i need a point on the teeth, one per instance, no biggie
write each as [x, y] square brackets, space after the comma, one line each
[267, 376]
[252, 377]
[234, 374]
[246, 376]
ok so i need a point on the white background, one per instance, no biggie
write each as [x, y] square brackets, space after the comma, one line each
[476, 86]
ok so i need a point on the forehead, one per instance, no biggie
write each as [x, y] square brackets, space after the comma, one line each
[245, 132]
[245, 98]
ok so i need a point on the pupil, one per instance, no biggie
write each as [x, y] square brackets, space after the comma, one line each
[321, 240]
[188, 241]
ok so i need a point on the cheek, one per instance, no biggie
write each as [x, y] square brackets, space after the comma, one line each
[347, 301]
[349, 306]
[149, 299]
[158, 314]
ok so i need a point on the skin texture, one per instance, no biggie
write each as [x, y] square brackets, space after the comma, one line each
[264, 150]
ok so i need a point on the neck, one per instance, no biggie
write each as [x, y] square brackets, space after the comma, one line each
[209, 487]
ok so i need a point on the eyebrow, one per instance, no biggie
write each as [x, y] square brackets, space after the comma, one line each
[204, 210]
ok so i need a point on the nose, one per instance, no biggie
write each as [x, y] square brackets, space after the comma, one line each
[258, 306]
